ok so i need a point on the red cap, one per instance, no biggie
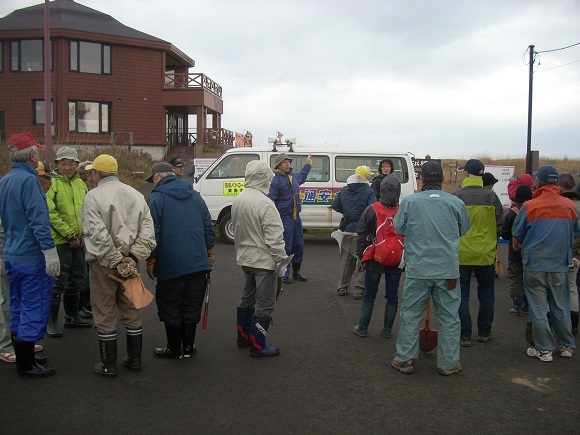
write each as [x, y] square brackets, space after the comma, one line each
[23, 140]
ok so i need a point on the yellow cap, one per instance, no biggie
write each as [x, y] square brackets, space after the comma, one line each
[104, 163]
[363, 171]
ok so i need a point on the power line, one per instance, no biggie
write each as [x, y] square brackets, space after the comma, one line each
[556, 49]
[560, 66]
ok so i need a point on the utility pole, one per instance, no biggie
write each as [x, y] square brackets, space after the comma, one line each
[47, 92]
[530, 92]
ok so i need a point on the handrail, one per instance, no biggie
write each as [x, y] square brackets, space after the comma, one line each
[192, 80]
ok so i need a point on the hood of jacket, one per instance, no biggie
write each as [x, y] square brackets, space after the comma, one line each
[175, 187]
[357, 179]
[259, 176]
[390, 191]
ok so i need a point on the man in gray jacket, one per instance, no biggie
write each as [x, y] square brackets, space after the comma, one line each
[118, 231]
[259, 244]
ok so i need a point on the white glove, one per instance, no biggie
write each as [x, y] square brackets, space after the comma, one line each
[52, 262]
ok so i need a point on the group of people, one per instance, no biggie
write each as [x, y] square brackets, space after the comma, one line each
[79, 227]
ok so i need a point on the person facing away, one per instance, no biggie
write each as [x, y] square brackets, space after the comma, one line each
[30, 257]
[260, 250]
[65, 200]
[546, 262]
[366, 230]
[181, 261]
[385, 168]
[352, 201]
[432, 222]
[118, 231]
[477, 251]
[515, 265]
[566, 184]
[285, 192]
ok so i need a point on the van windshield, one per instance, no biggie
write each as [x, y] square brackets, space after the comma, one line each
[233, 166]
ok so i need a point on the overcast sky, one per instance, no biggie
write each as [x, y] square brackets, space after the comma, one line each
[448, 78]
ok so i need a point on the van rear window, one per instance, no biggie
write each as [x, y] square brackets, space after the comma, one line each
[345, 166]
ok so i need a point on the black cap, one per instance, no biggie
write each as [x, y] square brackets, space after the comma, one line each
[431, 171]
[176, 162]
[489, 179]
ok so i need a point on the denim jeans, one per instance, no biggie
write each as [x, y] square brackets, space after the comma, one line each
[446, 302]
[259, 291]
[548, 289]
[372, 280]
[73, 270]
[485, 295]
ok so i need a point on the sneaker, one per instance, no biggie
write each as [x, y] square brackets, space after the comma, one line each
[515, 311]
[404, 367]
[9, 357]
[38, 348]
[566, 352]
[542, 355]
[484, 336]
[447, 372]
[465, 341]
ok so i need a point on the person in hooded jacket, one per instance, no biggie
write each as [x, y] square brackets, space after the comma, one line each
[260, 250]
[352, 201]
[366, 228]
[385, 168]
[182, 259]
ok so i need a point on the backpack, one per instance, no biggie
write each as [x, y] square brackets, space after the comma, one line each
[387, 247]
[517, 246]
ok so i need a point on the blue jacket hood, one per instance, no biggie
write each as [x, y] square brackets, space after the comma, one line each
[175, 187]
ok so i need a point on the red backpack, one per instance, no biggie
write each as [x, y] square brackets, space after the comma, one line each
[387, 247]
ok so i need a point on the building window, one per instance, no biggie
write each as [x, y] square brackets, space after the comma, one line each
[40, 112]
[28, 55]
[89, 117]
[90, 57]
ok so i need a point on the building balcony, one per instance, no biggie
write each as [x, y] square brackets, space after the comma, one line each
[192, 90]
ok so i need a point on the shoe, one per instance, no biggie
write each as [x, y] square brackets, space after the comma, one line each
[484, 336]
[9, 357]
[342, 291]
[359, 295]
[542, 355]
[165, 352]
[447, 372]
[566, 352]
[359, 332]
[38, 348]
[286, 281]
[405, 367]
[465, 341]
[515, 311]
[525, 307]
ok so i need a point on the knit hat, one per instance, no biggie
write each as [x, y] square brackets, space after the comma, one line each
[523, 194]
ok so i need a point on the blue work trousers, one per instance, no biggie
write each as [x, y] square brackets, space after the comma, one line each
[485, 294]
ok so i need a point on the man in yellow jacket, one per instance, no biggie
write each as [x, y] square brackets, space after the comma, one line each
[65, 201]
[477, 250]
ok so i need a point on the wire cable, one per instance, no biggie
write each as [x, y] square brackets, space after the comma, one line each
[560, 66]
[557, 49]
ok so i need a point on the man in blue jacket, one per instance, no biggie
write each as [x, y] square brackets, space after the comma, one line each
[182, 260]
[285, 192]
[30, 256]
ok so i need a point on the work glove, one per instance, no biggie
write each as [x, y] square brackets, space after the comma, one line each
[127, 267]
[211, 258]
[74, 242]
[150, 267]
[52, 262]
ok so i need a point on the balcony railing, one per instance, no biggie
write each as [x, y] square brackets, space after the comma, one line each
[190, 80]
[212, 136]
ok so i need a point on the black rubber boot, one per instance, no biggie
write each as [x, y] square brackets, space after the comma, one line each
[52, 328]
[188, 339]
[26, 366]
[108, 350]
[71, 312]
[39, 358]
[574, 318]
[173, 348]
[134, 347]
[296, 272]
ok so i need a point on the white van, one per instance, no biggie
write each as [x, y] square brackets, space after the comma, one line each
[224, 179]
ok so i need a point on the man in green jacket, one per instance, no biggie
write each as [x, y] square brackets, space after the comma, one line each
[477, 250]
[65, 201]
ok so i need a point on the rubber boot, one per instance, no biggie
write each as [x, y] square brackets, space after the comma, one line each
[71, 312]
[25, 363]
[390, 316]
[188, 331]
[134, 347]
[39, 358]
[173, 348]
[366, 311]
[83, 302]
[258, 333]
[516, 310]
[574, 318]
[108, 350]
[244, 325]
[296, 272]
[52, 327]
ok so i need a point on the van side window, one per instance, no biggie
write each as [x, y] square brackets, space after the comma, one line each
[232, 166]
[320, 171]
[345, 166]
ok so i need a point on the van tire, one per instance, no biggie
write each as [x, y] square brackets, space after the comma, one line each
[226, 229]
